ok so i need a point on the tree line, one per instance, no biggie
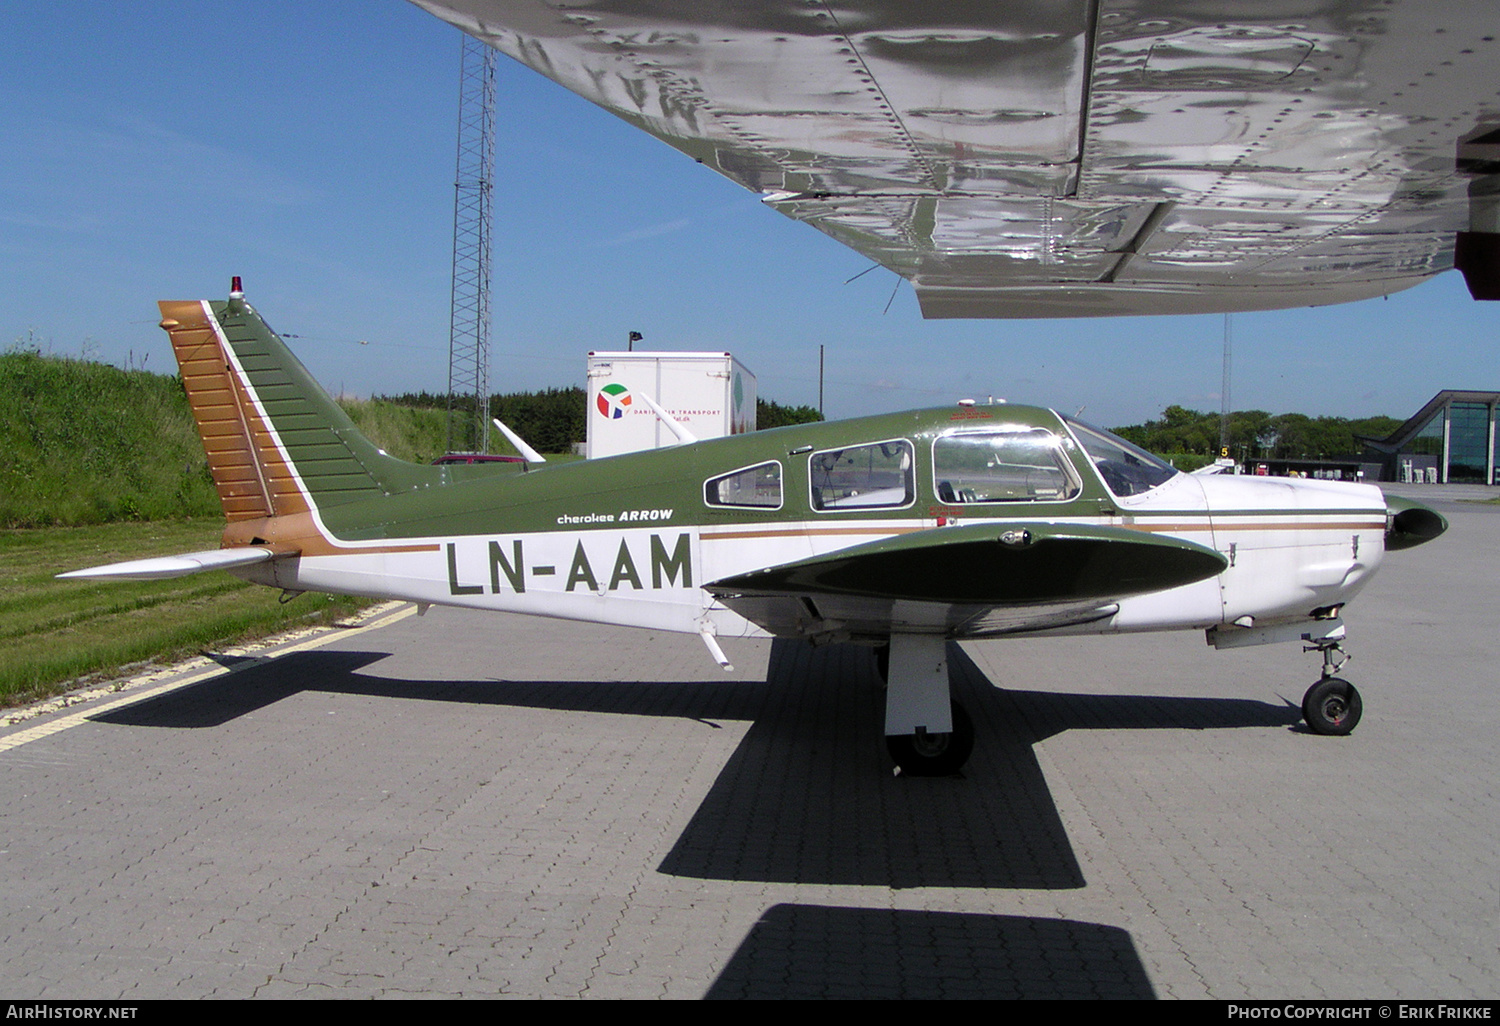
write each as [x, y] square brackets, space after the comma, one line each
[1256, 434]
[553, 419]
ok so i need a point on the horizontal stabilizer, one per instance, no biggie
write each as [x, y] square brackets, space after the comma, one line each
[163, 567]
[1005, 564]
[528, 454]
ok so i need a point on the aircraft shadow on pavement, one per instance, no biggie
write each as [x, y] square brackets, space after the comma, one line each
[267, 681]
[816, 951]
[253, 684]
[809, 794]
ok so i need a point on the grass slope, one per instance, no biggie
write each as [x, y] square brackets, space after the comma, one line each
[418, 436]
[87, 443]
[101, 465]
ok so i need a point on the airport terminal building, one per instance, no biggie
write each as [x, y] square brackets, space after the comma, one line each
[1451, 440]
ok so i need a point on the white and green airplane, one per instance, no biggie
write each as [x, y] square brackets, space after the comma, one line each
[901, 532]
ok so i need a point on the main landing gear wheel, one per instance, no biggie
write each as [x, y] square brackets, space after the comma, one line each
[934, 755]
[1332, 706]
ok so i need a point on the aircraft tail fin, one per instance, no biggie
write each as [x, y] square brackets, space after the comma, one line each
[277, 443]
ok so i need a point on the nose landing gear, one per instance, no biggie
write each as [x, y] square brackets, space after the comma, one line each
[1332, 706]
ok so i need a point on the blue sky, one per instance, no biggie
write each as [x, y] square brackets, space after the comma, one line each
[151, 151]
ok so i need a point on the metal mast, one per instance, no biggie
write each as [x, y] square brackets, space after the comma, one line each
[469, 321]
[1224, 391]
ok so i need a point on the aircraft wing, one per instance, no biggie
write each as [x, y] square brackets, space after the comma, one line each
[967, 581]
[1072, 158]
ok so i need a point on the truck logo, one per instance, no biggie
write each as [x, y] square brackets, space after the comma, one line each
[613, 401]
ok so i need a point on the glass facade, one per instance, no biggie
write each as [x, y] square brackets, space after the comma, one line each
[1428, 441]
[1495, 470]
[1421, 456]
[1458, 443]
[1468, 443]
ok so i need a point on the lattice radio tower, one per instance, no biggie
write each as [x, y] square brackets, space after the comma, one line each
[469, 322]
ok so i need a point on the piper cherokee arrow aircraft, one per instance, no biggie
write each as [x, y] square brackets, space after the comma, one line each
[1074, 157]
[901, 532]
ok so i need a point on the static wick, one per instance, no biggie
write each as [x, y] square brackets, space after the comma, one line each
[888, 302]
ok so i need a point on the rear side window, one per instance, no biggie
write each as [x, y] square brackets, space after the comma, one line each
[757, 487]
[1026, 465]
[862, 476]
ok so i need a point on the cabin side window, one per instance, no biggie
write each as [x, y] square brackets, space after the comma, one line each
[757, 487]
[862, 476]
[1002, 466]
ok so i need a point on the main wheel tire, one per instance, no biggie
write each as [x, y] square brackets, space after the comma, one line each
[934, 755]
[1332, 706]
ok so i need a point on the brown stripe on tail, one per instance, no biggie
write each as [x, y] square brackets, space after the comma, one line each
[281, 451]
[251, 477]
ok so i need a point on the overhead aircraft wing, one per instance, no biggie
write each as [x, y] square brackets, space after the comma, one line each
[972, 580]
[1075, 157]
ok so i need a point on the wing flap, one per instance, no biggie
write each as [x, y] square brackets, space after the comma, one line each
[163, 567]
[849, 617]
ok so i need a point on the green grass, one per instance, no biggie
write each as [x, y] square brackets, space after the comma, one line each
[54, 633]
[84, 443]
[414, 435]
[88, 443]
[101, 465]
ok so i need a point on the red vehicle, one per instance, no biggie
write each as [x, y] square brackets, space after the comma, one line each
[474, 457]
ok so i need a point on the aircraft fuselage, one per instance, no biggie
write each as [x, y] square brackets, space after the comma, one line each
[634, 540]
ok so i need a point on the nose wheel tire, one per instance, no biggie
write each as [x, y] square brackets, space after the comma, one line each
[934, 755]
[1332, 706]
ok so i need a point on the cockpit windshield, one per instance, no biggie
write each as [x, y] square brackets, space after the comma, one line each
[1126, 469]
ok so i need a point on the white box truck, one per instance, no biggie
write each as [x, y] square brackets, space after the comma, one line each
[710, 394]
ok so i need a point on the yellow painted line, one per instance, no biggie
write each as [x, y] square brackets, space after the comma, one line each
[324, 635]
